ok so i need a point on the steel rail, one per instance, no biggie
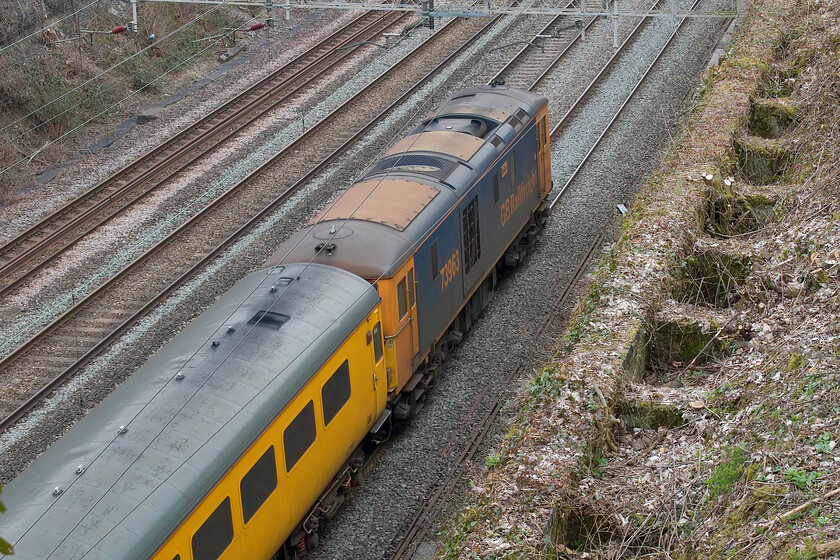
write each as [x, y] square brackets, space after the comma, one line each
[597, 79]
[521, 54]
[559, 57]
[241, 231]
[555, 308]
[617, 113]
[254, 104]
[420, 525]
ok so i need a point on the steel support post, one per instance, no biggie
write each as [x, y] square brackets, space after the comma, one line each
[615, 24]
[134, 25]
[269, 13]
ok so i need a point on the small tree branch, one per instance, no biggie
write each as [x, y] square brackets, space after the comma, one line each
[806, 505]
[706, 347]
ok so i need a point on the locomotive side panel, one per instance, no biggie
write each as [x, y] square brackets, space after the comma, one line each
[439, 280]
[519, 190]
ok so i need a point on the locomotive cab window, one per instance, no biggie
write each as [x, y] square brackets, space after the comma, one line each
[299, 435]
[377, 343]
[336, 391]
[543, 134]
[215, 535]
[258, 484]
[401, 303]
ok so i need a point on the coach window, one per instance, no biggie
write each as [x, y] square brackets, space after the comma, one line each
[377, 343]
[299, 435]
[336, 392]
[258, 484]
[215, 535]
[435, 269]
[401, 299]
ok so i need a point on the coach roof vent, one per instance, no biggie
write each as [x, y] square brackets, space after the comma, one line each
[517, 119]
[269, 319]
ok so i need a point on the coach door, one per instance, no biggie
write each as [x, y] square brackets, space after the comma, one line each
[403, 339]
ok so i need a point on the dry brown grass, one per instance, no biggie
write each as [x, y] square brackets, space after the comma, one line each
[37, 89]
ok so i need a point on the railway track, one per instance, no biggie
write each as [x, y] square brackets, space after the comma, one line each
[540, 55]
[74, 339]
[31, 251]
[423, 521]
[413, 536]
[562, 122]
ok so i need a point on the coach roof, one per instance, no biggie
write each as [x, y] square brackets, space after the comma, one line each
[182, 435]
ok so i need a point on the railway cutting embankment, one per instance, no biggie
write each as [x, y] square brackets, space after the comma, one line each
[692, 407]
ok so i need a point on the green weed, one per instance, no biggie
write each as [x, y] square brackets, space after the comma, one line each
[726, 474]
[800, 478]
[823, 444]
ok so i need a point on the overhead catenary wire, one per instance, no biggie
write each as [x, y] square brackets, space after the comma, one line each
[29, 156]
[34, 33]
[103, 73]
[279, 296]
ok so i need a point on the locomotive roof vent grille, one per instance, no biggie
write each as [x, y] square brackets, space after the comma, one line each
[465, 125]
[269, 319]
[496, 141]
[517, 119]
[432, 166]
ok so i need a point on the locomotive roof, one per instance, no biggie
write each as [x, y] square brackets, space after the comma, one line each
[182, 436]
[378, 222]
